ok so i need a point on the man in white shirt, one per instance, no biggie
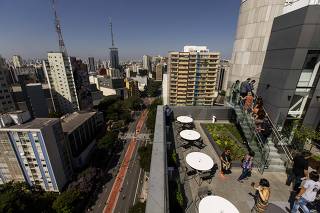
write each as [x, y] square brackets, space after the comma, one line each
[308, 193]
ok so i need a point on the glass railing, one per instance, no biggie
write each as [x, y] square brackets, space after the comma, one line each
[261, 149]
[276, 137]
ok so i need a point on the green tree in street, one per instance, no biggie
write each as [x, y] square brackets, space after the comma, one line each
[145, 153]
[19, 197]
[108, 141]
[138, 208]
[68, 202]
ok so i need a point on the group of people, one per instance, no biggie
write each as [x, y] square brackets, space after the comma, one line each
[243, 94]
[306, 186]
[246, 163]
[262, 190]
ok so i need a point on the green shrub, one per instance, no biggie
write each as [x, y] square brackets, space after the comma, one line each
[179, 198]
[221, 135]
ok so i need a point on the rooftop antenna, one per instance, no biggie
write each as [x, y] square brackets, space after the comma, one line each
[58, 29]
[110, 24]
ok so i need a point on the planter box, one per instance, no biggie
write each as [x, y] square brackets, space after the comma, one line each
[215, 146]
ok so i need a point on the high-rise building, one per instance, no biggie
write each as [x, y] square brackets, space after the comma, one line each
[6, 102]
[17, 61]
[81, 79]
[61, 82]
[92, 66]
[252, 37]
[192, 76]
[159, 72]
[146, 60]
[223, 74]
[290, 78]
[37, 100]
[34, 151]
[114, 58]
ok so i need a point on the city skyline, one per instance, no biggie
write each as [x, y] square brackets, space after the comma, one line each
[86, 33]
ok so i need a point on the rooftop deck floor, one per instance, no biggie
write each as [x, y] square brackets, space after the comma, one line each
[227, 186]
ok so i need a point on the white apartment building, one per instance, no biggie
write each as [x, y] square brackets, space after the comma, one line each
[58, 71]
[17, 61]
[192, 76]
[34, 152]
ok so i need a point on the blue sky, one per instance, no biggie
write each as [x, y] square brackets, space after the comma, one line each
[140, 26]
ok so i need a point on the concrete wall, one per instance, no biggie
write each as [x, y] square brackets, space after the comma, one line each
[252, 37]
[293, 34]
[57, 152]
[157, 193]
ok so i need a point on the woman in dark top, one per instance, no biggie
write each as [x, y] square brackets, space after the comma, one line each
[263, 195]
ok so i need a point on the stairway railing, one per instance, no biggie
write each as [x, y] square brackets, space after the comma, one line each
[263, 148]
[277, 138]
[280, 140]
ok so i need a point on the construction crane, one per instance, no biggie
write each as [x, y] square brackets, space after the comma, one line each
[58, 29]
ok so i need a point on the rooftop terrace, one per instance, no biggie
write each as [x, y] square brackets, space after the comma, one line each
[167, 181]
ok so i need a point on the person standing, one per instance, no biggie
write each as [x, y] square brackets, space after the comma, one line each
[264, 130]
[262, 196]
[245, 88]
[299, 169]
[308, 193]
[247, 165]
[252, 86]
[248, 101]
[226, 161]
[235, 90]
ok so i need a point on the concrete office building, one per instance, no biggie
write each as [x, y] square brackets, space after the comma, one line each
[17, 61]
[289, 82]
[192, 76]
[132, 87]
[165, 89]
[81, 80]
[34, 151]
[252, 37]
[6, 102]
[37, 99]
[58, 71]
[223, 75]
[146, 60]
[81, 129]
[40, 97]
[159, 71]
[92, 66]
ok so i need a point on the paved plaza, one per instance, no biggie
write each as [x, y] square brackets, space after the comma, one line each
[240, 194]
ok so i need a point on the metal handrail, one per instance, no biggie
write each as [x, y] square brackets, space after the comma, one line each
[264, 148]
[278, 136]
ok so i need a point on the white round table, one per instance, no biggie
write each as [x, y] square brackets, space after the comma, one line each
[185, 119]
[216, 204]
[190, 135]
[199, 161]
